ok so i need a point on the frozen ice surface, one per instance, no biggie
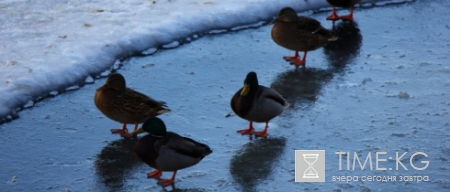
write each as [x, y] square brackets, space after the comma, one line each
[403, 95]
[50, 45]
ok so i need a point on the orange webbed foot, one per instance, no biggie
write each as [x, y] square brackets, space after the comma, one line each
[121, 131]
[154, 174]
[165, 182]
[248, 131]
[261, 133]
[347, 17]
[127, 135]
[334, 16]
[290, 58]
[297, 62]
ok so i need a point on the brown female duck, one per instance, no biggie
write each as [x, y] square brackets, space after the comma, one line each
[299, 34]
[257, 103]
[342, 3]
[167, 151]
[125, 105]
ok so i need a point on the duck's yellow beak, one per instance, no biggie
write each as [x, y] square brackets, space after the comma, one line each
[138, 131]
[245, 90]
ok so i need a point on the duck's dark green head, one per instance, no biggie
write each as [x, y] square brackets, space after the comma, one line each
[287, 14]
[116, 81]
[250, 82]
[154, 126]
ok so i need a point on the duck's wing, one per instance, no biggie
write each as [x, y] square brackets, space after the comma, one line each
[312, 26]
[268, 93]
[308, 24]
[185, 146]
[137, 97]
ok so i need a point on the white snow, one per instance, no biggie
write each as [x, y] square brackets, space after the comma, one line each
[48, 46]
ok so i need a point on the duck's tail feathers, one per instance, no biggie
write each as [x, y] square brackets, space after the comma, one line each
[163, 110]
[205, 150]
[287, 105]
[326, 33]
[163, 103]
[333, 37]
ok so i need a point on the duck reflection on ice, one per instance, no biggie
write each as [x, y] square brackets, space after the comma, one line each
[300, 88]
[115, 162]
[341, 52]
[254, 162]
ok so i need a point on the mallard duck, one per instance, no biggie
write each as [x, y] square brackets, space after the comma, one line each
[257, 103]
[167, 151]
[342, 3]
[125, 105]
[299, 33]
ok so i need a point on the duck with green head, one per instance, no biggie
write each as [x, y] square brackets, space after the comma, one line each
[299, 33]
[126, 105]
[167, 151]
[342, 3]
[257, 103]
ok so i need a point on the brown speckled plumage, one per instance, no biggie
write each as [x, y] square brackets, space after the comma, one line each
[125, 105]
[299, 33]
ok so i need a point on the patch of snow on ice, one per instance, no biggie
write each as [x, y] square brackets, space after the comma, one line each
[51, 45]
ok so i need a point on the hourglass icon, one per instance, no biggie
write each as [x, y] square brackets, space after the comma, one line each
[310, 172]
